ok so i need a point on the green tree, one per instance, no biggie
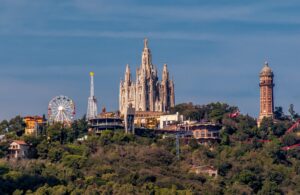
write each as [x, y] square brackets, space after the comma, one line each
[278, 113]
[4, 126]
[289, 139]
[74, 161]
[60, 132]
[269, 188]
[43, 149]
[80, 127]
[292, 112]
[17, 125]
[55, 152]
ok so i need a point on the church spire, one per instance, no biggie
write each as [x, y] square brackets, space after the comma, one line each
[145, 43]
[127, 74]
[165, 75]
[146, 57]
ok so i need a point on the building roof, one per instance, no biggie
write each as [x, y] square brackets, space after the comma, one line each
[205, 168]
[2, 137]
[266, 70]
[20, 142]
[148, 114]
[34, 118]
[107, 115]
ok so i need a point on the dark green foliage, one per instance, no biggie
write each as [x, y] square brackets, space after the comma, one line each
[15, 126]
[74, 161]
[210, 112]
[293, 113]
[289, 140]
[251, 179]
[249, 160]
[278, 113]
[80, 127]
[224, 168]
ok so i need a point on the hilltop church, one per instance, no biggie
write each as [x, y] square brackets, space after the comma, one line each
[147, 93]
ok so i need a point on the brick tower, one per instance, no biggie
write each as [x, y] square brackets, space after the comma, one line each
[266, 93]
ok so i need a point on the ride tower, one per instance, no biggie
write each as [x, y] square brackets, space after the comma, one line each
[266, 85]
[92, 101]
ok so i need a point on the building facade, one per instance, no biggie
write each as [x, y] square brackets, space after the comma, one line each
[206, 169]
[205, 132]
[147, 93]
[170, 119]
[18, 149]
[266, 85]
[34, 125]
[105, 121]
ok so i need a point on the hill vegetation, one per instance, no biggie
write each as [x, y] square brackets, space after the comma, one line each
[119, 163]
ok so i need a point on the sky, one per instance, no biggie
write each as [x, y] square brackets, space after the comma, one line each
[214, 49]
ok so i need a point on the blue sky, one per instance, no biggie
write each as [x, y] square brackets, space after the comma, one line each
[214, 50]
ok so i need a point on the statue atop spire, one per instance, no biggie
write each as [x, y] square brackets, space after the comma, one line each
[266, 63]
[145, 43]
[146, 57]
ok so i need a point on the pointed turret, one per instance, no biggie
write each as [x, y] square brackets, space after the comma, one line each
[165, 74]
[127, 74]
[146, 57]
[145, 43]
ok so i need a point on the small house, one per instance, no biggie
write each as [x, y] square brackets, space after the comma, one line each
[18, 149]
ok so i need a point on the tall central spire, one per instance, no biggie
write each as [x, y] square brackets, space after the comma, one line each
[146, 57]
[145, 43]
[92, 101]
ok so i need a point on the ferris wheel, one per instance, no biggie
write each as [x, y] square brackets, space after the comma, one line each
[61, 109]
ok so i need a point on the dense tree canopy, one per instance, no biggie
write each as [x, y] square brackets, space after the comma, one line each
[249, 160]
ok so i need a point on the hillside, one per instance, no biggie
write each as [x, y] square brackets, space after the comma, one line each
[118, 163]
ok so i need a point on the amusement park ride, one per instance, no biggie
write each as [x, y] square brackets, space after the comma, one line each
[61, 109]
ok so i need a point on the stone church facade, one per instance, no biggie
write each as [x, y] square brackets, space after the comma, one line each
[147, 93]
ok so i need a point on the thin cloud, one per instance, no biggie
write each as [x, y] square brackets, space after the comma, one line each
[125, 34]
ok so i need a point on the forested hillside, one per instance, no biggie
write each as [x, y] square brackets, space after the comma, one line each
[119, 163]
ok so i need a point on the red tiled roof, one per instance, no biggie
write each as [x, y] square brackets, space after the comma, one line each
[33, 117]
[20, 142]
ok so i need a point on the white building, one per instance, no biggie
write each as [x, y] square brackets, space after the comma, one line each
[170, 119]
[18, 149]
